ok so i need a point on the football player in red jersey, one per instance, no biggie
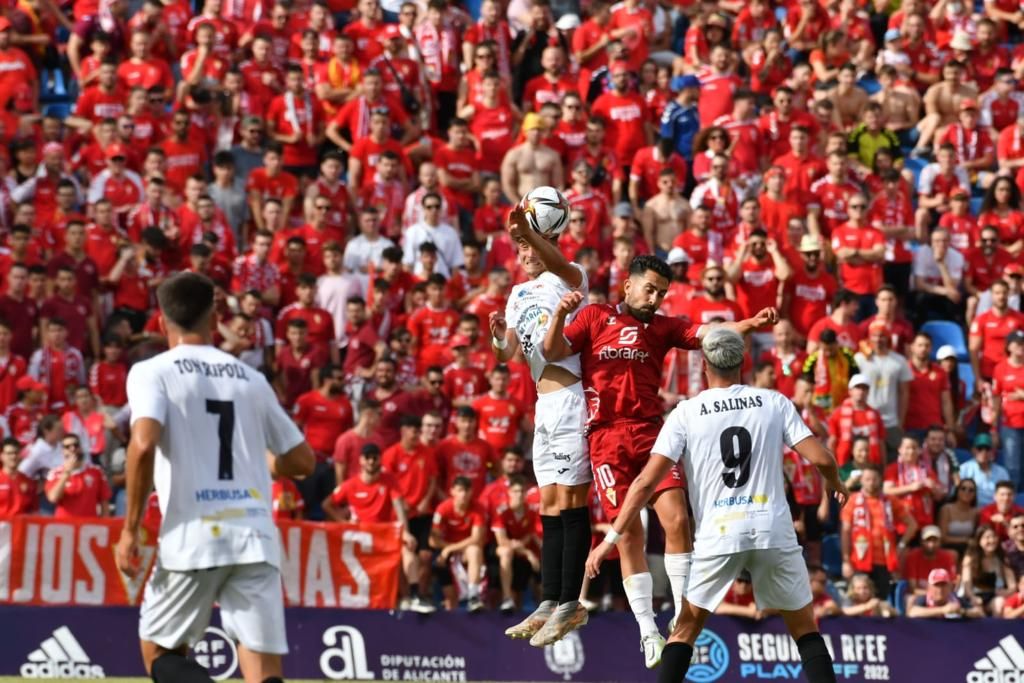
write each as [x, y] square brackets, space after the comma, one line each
[514, 525]
[457, 535]
[622, 349]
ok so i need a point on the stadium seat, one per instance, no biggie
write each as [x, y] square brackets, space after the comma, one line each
[899, 596]
[915, 165]
[945, 332]
[976, 205]
[60, 110]
[831, 555]
[869, 85]
[967, 376]
[962, 455]
[1020, 499]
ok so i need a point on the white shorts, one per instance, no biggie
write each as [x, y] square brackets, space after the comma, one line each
[176, 606]
[560, 453]
[779, 578]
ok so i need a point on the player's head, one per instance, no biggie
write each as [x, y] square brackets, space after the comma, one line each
[369, 412]
[860, 450]
[646, 286]
[516, 491]
[461, 491]
[369, 460]
[409, 428]
[723, 350]
[513, 461]
[385, 371]
[465, 422]
[499, 378]
[871, 480]
[9, 454]
[528, 259]
[186, 301]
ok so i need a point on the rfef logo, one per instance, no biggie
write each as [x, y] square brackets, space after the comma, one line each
[216, 653]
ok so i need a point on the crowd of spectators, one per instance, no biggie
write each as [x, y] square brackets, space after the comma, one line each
[342, 171]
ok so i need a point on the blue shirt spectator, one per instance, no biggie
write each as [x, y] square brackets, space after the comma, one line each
[983, 470]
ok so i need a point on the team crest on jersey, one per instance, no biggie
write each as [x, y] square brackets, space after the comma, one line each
[612, 497]
[610, 321]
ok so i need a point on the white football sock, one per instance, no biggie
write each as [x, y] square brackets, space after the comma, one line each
[639, 591]
[677, 566]
[473, 591]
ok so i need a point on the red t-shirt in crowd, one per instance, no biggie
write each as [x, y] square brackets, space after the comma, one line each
[993, 330]
[85, 490]
[1007, 380]
[323, 419]
[455, 526]
[412, 472]
[471, 459]
[368, 502]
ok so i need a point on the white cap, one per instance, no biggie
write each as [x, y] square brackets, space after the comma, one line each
[945, 351]
[858, 379]
[677, 255]
[567, 22]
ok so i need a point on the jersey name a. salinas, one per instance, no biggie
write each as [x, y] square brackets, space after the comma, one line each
[219, 418]
[730, 442]
[530, 308]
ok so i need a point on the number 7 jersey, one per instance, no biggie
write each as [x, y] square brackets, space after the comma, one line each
[730, 444]
[219, 419]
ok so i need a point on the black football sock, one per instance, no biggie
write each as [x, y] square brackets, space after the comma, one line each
[816, 659]
[675, 662]
[414, 590]
[551, 557]
[273, 679]
[174, 668]
[576, 545]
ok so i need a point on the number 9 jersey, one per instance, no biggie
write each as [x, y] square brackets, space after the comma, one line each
[219, 418]
[730, 444]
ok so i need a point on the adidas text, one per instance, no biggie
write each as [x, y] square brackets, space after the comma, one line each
[1002, 664]
[60, 656]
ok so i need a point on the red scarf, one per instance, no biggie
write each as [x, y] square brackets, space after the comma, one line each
[861, 550]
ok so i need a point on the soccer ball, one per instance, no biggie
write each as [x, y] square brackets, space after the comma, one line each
[547, 210]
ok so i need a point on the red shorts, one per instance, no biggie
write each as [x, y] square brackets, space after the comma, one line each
[618, 453]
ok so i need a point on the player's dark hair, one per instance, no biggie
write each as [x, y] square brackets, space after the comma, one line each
[517, 480]
[438, 280]
[9, 441]
[392, 255]
[50, 421]
[641, 264]
[843, 296]
[410, 421]
[462, 483]
[368, 404]
[186, 299]
[307, 280]
[1006, 484]
[298, 323]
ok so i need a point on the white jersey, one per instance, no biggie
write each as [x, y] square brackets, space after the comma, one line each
[730, 443]
[219, 419]
[530, 308]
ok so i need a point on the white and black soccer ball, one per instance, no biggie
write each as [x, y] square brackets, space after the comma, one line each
[547, 210]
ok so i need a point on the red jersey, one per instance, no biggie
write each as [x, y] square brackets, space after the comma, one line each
[432, 329]
[809, 297]
[286, 500]
[859, 278]
[625, 115]
[641, 21]
[830, 199]
[247, 273]
[970, 145]
[295, 370]
[347, 448]
[924, 408]
[1007, 380]
[801, 172]
[17, 494]
[471, 460]
[982, 271]
[413, 472]
[184, 159]
[455, 526]
[993, 330]
[787, 369]
[22, 317]
[368, 502]
[1009, 223]
[757, 287]
[12, 368]
[517, 524]
[463, 383]
[622, 358]
[847, 422]
[85, 490]
[702, 310]
[95, 105]
[499, 420]
[919, 504]
[716, 91]
[645, 169]
[961, 230]
[323, 419]
[540, 90]
[305, 112]
[460, 164]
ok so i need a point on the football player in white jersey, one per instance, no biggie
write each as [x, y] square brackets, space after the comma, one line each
[729, 439]
[202, 426]
[560, 458]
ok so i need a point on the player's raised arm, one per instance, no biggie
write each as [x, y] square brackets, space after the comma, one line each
[546, 250]
[766, 316]
[555, 345]
[639, 494]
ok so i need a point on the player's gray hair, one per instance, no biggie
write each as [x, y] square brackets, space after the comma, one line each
[723, 348]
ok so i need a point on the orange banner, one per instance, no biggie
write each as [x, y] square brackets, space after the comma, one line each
[44, 561]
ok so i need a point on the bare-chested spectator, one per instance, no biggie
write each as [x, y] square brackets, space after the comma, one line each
[663, 217]
[530, 164]
[942, 104]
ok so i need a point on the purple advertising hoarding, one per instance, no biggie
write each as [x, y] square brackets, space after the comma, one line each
[80, 642]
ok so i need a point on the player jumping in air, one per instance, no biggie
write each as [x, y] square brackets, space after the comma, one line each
[202, 425]
[729, 440]
[622, 350]
[560, 457]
